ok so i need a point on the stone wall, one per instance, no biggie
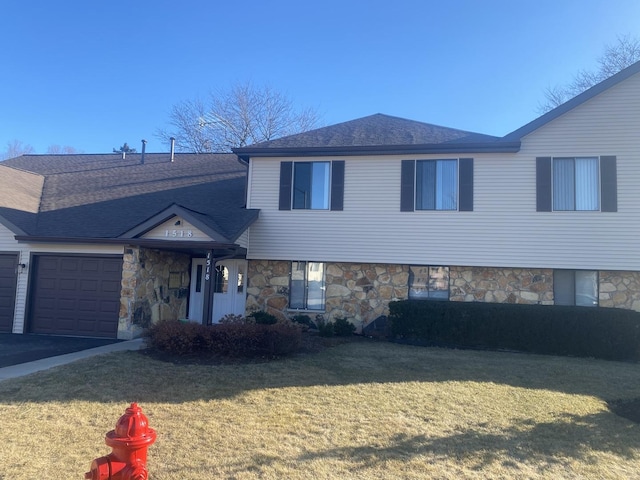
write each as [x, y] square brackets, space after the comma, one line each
[619, 290]
[359, 292]
[501, 285]
[155, 286]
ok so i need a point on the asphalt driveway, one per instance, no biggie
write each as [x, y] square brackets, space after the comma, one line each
[16, 349]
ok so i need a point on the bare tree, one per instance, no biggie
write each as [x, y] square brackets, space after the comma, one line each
[243, 115]
[62, 150]
[615, 58]
[15, 148]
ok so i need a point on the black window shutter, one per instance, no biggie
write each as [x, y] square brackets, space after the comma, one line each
[286, 169]
[466, 185]
[608, 184]
[543, 184]
[407, 185]
[337, 185]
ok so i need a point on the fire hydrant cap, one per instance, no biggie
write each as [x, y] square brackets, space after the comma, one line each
[132, 427]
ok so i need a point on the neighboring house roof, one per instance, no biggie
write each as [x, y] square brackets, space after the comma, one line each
[379, 133]
[105, 196]
[573, 103]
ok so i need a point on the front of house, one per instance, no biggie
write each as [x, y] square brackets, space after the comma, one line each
[335, 222]
[548, 214]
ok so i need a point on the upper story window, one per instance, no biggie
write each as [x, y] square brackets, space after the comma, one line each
[436, 184]
[311, 185]
[576, 184]
[440, 184]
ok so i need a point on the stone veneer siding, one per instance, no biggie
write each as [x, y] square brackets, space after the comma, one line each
[360, 292]
[501, 285]
[619, 290]
[145, 297]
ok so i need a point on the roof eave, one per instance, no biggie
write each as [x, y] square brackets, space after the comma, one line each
[490, 147]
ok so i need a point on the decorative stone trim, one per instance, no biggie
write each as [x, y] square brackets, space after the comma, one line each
[145, 296]
[619, 290]
[501, 285]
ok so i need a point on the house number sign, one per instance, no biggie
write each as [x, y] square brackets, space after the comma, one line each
[180, 233]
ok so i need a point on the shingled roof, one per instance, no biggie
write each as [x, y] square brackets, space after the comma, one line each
[379, 133]
[104, 196]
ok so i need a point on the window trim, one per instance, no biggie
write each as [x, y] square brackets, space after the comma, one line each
[464, 185]
[608, 184]
[428, 297]
[575, 293]
[305, 302]
[336, 185]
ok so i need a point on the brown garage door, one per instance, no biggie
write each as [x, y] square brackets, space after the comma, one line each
[8, 281]
[76, 295]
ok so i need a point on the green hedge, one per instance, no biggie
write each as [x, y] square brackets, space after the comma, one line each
[607, 333]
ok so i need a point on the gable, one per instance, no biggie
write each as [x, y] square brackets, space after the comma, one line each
[177, 228]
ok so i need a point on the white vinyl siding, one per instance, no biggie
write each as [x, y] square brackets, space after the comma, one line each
[504, 230]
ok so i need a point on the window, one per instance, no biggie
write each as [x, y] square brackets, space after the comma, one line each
[221, 279]
[307, 288]
[576, 184]
[441, 184]
[437, 185]
[575, 287]
[428, 282]
[311, 185]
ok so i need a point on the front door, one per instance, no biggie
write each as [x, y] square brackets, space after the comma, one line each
[229, 288]
[229, 277]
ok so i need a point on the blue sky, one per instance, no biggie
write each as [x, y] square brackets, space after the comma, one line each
[94, 75]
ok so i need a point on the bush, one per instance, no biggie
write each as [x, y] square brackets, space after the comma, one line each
[263, 318]
[343, 327]
[226, 339]
[304, 320]
[340, 327]
[606, 333]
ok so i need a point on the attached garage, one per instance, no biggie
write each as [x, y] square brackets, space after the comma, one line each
[75, 295]
[8, 282]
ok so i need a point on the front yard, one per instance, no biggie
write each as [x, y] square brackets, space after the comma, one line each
[354, 411]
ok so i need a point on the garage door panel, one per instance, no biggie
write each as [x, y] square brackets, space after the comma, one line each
[87, 295]
[8, 283]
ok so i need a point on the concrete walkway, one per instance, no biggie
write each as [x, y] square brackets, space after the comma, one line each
[22, 369]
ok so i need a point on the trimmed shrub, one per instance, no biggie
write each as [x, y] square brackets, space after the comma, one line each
[304, 320]
[607, 333]
[342, 327]
[226, 339]
[263, 318]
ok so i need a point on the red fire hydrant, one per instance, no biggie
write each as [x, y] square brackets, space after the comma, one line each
[129, 442]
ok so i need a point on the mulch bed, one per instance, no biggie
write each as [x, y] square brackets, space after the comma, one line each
[311, 343]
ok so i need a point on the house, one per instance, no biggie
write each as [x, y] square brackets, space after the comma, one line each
[358, 214]
[335, 222]
[103, 245]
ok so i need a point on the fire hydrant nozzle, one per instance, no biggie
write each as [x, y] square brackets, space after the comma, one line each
[129, 442]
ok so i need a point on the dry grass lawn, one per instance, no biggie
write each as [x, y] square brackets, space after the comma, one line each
[361, 410]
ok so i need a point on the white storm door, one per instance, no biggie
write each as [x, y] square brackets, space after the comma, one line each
[196, 294]
[229, 295]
